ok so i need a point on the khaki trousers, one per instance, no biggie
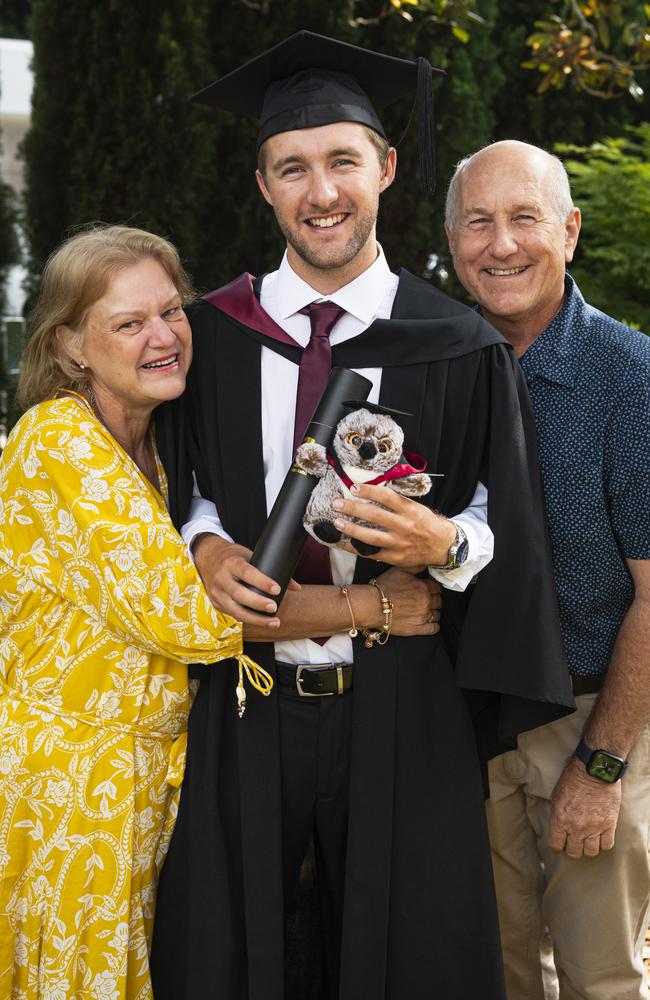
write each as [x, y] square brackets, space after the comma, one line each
[571, 929]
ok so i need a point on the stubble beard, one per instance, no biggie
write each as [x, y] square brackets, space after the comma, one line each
[334, 257]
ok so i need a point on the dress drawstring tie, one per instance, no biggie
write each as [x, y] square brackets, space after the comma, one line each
[257, 676]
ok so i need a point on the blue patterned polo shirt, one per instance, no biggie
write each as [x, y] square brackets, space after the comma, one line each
[589, 381]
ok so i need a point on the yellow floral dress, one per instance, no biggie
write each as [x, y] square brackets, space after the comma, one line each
[100, 607]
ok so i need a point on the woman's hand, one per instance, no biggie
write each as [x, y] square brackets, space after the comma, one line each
[225, 570]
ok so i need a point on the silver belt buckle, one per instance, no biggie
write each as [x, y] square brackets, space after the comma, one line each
[309, 694]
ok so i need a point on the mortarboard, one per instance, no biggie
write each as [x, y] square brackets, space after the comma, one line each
[309, 80]
[363, 404]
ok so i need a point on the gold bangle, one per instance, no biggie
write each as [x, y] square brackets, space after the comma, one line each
[354, 631]
[380, 635]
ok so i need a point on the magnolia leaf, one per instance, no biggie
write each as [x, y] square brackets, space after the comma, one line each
[635, 90]
[603, 32]
[460, 34]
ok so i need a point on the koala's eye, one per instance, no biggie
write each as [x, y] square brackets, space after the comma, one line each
[355, 439]
[383, 446]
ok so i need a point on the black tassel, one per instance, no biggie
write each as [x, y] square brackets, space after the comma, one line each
[426, 127]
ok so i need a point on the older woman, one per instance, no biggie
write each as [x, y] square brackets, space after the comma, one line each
[100, 607]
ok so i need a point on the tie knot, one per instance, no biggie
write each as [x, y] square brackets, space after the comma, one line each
[322, 317]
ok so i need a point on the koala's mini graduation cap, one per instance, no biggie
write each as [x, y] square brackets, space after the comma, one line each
[309, 80]
[399, 416]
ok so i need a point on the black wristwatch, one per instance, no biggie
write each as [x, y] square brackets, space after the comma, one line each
[601, 764]
[458, 550]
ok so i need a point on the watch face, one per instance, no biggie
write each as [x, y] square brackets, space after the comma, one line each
[605, 766]
[461, 553]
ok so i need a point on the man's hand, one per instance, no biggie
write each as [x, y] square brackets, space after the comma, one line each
[407, 532]
[416, 602]
[224, 568]
[584, 812]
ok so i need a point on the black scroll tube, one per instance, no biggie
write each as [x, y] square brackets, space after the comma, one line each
[279, 546]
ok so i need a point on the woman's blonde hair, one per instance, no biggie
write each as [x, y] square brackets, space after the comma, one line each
[77, 275]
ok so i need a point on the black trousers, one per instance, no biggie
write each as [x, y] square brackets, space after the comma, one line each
[315, 753]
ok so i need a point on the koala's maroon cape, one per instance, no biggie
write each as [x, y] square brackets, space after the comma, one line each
[419, 912]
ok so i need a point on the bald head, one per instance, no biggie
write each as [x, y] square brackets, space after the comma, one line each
[512, 230]
[510, 155]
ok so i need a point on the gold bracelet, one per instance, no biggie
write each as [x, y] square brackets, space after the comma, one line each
[354, 631]
[380, 635]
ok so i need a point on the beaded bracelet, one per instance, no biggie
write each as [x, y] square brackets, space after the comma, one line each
[380, 635]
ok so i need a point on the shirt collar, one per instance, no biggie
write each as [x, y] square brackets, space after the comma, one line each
[361, 297]
[555, 354]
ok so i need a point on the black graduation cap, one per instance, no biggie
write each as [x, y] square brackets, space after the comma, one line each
[363, 404]
[309, 80]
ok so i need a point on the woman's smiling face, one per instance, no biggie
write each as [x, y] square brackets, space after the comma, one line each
[136, 341]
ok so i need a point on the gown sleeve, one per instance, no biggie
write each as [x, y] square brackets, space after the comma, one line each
[511, 641]
[80, 520]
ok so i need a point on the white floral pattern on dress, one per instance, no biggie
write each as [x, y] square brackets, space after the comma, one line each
[100, 609]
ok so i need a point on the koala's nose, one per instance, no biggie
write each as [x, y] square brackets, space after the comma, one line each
[367, 450]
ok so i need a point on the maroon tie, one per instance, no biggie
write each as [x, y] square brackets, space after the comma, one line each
[315, 368]
[315, 364]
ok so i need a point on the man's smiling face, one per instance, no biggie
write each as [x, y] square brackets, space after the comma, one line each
[324, 185]
[509, 243]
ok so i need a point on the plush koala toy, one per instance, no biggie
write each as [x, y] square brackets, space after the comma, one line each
[367, 448]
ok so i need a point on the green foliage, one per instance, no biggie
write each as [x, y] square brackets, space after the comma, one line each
[9, 252]
[14, 16]
[601, 46]
[564, 115]
[458, 15]
[113, 136]
[610, 181]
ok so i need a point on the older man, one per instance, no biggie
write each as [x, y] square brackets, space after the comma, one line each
[569, 813]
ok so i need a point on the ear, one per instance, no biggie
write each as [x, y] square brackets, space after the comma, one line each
[261, 183]
[572, 231]
[70, 343]
[388, 169]
[450, 239]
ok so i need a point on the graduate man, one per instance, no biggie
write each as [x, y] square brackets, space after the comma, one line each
[370, 748]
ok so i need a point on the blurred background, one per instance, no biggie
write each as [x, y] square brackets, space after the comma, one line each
[95, 125]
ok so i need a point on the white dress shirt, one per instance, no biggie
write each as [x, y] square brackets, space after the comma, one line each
[370, 296]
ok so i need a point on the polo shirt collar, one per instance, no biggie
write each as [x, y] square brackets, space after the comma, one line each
[361, 297]
[555, 355]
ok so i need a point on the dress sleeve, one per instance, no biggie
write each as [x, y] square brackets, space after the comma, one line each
[80, 520]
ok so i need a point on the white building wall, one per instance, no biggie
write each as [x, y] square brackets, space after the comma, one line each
[15, 106]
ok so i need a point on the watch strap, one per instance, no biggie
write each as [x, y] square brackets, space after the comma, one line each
[452, 559]
[583, 752]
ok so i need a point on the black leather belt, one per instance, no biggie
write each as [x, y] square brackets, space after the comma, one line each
[315, 680]
[589, 684]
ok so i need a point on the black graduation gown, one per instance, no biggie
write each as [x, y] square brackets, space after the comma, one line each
[419, 919]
